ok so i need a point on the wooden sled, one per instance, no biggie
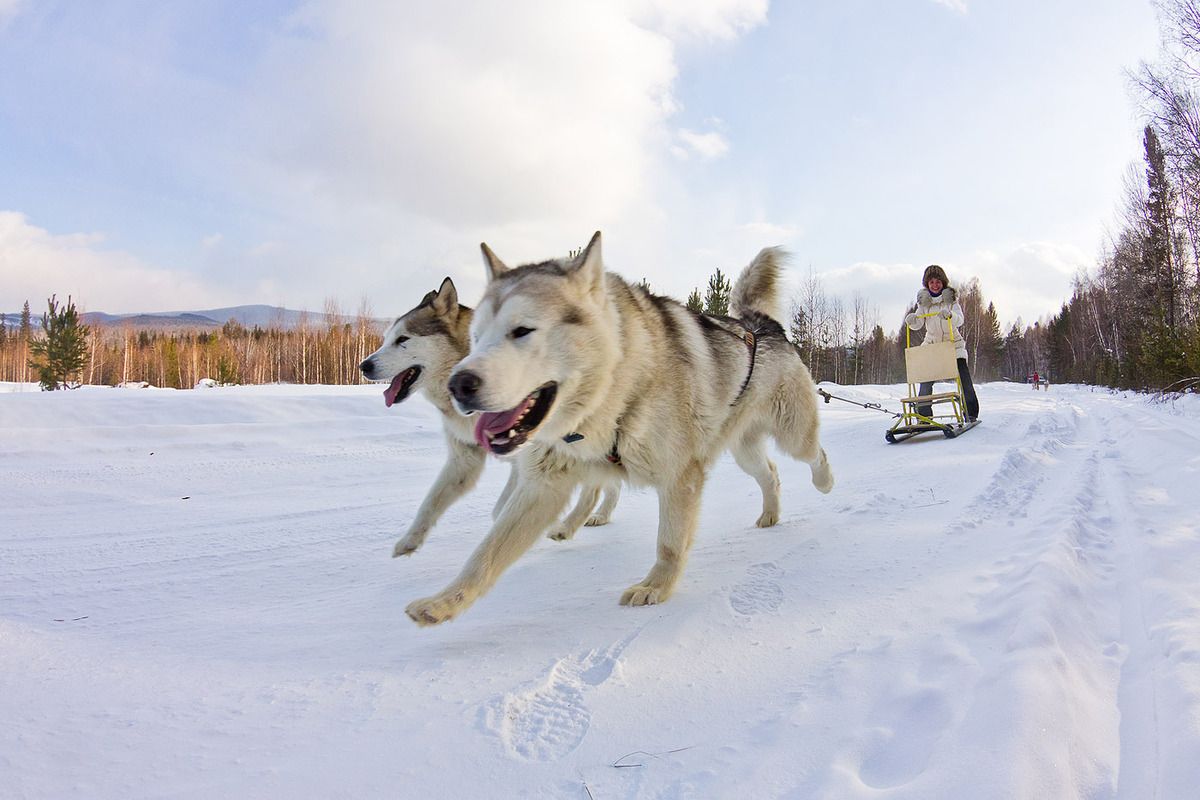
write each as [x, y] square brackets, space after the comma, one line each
[946, 410]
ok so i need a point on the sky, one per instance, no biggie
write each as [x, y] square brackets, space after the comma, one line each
[189, 155]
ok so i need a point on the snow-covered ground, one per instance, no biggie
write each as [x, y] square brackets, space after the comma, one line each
[197, 601]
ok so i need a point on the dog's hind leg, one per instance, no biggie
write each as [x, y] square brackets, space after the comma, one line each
[571, 523]
[678, 509]
[460, 473]
[822, 475]
[612, 494]
[751, 455]
[534, 505]
[795, 426]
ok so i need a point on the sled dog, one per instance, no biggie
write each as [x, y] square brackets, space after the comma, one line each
[418, 351]
[586, 378]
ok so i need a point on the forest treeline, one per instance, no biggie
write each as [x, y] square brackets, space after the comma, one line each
[327, 351]
[1132, 321]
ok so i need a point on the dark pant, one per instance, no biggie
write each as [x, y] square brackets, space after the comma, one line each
[964, 376]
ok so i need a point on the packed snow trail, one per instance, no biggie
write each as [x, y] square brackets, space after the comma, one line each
[197, 599]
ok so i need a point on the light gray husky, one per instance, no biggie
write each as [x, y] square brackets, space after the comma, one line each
[419, 349]
[587, 378]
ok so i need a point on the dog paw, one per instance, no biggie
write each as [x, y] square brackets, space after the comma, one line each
[596, 520]
[561, 534]
[767, 519]
[435, 610]
[406, 547]
[642, 594]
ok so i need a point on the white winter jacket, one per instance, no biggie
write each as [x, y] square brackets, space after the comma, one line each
[937, 329]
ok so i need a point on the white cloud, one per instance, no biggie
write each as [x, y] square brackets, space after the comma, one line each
[704, 20]
[35, 263]
[958, 6]
[888, 288]
[1030, 281]
[771, 232]
[482, 113]
[9, 9]
[707, 146]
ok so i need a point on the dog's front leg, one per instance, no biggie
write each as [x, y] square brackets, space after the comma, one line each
[461, 472]
[535, 504]
[678, 508]
[506, 492]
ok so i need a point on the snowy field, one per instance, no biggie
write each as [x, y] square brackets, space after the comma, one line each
[197, 601]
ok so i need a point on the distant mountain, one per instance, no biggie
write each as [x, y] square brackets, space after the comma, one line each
[249, 316]
[260, 315]
[183, 321]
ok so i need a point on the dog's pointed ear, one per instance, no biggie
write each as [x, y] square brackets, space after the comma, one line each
[495, 267]
[589, 266]
[445, 302]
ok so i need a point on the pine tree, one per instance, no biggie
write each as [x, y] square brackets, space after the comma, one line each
[1160, 361]
[991, 345]
[26, 329]
[58, 355]
[716, 301]
[24, 334]
[1161, 215]
[695, 302]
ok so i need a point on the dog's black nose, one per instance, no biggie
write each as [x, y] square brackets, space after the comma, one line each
[464, 385]
[367, 367]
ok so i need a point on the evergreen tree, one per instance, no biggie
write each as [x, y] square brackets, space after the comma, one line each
[694, 302]
[716, 301]
[1160, 354]
[991, 344]
[26, 329]
[24, 334]
[1160, 216]
[58, 355]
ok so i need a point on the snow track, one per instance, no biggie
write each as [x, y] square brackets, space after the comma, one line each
[197, 600]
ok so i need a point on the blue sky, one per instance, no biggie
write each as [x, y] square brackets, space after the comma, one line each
[171, 156]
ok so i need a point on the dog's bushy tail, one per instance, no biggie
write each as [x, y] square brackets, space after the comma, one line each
[757, 288]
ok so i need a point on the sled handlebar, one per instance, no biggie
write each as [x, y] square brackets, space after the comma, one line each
[908, 330]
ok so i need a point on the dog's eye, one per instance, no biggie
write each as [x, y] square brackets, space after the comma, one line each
[401, 340]
[520, 331]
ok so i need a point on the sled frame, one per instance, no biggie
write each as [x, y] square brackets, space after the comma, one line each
[947, 410]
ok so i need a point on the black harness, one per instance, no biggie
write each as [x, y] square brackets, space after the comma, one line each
[750, 337]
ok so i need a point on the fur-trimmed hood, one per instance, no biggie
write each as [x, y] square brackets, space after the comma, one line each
[948, 297]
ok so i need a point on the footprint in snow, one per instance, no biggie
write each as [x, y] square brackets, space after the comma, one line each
[899, 750]
[549, 717]
[760, 592]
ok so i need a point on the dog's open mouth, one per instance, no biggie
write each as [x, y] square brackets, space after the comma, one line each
[401, 385]
[502, 432]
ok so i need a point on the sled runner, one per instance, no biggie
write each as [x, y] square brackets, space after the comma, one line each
[944, 411]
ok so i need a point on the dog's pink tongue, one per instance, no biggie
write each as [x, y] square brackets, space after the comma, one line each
[495, 422]
[393, 389]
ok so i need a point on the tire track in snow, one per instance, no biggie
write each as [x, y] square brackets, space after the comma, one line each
[1031, 650]
[1158, 694]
